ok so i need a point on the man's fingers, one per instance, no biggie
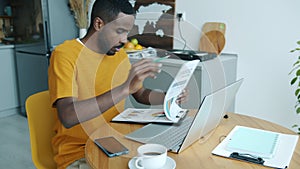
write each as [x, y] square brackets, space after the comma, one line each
[140, 71]
[144, 64]
[145, 68]
[183, 96]
[144, 75]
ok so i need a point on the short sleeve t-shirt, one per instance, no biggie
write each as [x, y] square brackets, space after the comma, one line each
[76, 71]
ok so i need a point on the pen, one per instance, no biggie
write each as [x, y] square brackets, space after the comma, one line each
[162, 58]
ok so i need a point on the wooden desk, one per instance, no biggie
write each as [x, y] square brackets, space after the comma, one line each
[196, 156]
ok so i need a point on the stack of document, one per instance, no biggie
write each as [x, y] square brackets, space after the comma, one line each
[135, 115]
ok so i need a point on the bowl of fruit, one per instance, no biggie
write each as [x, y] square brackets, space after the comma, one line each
[133, 46]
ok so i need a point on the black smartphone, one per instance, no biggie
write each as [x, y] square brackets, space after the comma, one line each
[111, 146]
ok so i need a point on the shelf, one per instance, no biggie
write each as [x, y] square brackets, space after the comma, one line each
[5, 17]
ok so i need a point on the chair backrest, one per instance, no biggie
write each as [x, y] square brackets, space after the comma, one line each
[41, 120]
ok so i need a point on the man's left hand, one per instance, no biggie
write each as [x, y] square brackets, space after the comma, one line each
[183, 96]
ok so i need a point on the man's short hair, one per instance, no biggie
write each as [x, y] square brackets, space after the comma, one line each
[108, 10]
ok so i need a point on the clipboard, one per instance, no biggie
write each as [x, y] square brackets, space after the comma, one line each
[252, 141]
[279, 156]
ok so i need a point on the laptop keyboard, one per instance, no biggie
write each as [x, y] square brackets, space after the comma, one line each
[173, 137]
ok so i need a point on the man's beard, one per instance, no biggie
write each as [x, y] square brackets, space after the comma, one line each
[114, 49]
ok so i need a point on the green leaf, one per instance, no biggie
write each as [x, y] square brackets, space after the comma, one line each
[298, 110]
[297, 92]
[295, 125]
[295, 68]
[296, 63]
[292, 51]
[298, 42]
[298, 72]
[293, 80]
[297, 49]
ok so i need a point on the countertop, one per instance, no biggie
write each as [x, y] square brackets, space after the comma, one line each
[173, 62]
[3, 46]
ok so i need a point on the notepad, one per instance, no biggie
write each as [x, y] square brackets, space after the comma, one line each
[255, 142]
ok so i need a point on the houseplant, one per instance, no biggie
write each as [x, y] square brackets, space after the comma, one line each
[296, 81]
[79, 9]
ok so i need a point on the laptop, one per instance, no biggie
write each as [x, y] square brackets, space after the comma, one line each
[178, 137]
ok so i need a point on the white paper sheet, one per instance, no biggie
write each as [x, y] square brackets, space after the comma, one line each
[172, 111]
[171, 108]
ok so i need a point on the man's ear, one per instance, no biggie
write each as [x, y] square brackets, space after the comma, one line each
[98, 23]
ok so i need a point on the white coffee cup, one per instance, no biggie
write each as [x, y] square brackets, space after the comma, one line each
[151, 156]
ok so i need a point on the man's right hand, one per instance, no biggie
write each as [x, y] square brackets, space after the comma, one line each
[139, 72]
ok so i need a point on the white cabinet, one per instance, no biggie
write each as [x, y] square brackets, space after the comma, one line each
[209, 76]
[8, 84]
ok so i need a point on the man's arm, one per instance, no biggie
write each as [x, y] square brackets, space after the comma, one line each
[72, 112]
[150, 97]
[154, 97]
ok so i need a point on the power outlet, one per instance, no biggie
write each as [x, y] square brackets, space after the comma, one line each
[181, 16]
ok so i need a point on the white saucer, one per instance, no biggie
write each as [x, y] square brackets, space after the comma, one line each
[170, 163]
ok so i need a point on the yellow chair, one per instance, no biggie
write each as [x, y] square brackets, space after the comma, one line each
[41, 119]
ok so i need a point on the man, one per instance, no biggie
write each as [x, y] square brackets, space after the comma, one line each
[89, 79]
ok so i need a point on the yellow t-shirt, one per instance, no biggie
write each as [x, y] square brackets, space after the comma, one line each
[76, 71]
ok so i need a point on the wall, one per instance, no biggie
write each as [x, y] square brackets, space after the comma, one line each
[262, 33]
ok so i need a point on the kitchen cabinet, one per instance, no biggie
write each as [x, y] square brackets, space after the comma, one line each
[209, 76]
[32, 71]
[8, 85]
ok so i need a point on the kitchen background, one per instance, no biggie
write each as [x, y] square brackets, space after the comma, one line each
[35, 27]
[261, 34]
[29, 30]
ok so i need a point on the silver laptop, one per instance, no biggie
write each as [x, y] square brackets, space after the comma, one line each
[178, 137]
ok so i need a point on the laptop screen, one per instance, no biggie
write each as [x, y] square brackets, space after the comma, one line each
[211, 112]
[178, 137]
